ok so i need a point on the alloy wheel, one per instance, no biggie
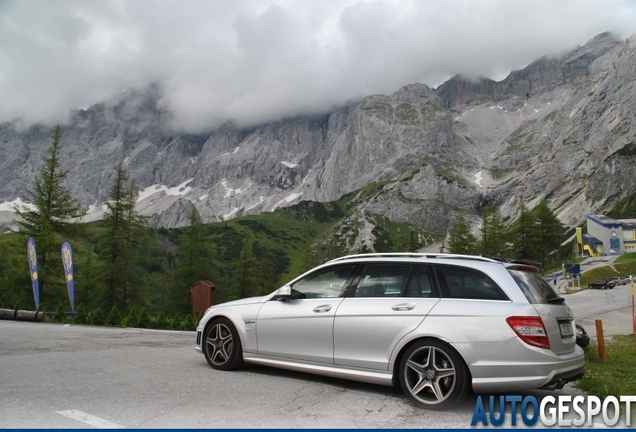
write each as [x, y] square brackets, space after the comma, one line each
[430, 375]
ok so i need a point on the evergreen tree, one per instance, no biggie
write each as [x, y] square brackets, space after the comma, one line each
[271, 263]
[245, 270]
[121, 247]
[59, 315]
[144, 319]
[114, 317]
[413, 241]
[194, 262]
[188, 323]
[161, 322]
[525, 236]
[461, 241]
[551, 232]
[51, 214]
[132, 320]
[97, 317]
[15, 280]
[492, 234]
[81, 316]
[85, 280]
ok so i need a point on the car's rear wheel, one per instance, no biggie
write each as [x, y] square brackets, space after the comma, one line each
[433, 375]
[222, 345]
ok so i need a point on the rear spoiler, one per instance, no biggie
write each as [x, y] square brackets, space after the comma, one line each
[523, 267]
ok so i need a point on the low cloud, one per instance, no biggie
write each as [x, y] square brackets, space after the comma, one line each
[254, 61]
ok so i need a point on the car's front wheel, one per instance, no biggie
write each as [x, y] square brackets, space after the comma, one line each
[433, 375]
[222, 345]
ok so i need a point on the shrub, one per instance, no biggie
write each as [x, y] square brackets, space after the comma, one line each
[97, 317]
[1, 304]
[81, 316]
[114, 317]
[132, 320]
[188, 324]
[60, 314]
[161, 322]
[17, 306]
[175, 323]
[144, 319]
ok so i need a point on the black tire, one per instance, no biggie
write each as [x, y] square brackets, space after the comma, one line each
[222, 345]
[433, 375]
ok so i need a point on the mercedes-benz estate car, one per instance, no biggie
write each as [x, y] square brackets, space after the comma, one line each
[437, 326]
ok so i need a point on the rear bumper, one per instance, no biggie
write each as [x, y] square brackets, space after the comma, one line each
[560, 380]
[538, 369]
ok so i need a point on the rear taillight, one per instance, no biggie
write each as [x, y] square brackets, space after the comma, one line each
[531, 330]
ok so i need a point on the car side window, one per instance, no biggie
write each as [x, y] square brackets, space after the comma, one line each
[467, 283]
[325, 283]
[420, 284]
[383, 280]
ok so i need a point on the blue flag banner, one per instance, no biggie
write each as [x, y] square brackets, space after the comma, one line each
[67, 260]
[33, 269]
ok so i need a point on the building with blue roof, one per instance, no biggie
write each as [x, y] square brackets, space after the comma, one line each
[608, 236]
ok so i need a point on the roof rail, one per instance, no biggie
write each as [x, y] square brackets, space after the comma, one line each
[416, 255]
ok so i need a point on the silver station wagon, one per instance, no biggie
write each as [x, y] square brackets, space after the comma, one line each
[434, 325]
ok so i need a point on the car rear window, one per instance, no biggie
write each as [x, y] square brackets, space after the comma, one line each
[534, 287]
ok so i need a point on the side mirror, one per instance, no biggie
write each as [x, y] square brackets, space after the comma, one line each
[284, 293]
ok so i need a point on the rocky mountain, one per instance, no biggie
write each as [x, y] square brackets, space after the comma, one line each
[563, 129]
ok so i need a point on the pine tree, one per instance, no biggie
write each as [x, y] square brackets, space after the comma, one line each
[525, 241]
[268, 266]
[551, 231]
[114, 317]
[121, 247]
[97, 317]
[492, 234]
[52, 214]
[413, 241]
[81, 316]
[194, 262]
[461, 241]
[245, 270]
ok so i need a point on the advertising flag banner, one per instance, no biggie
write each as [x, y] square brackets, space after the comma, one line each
[579, 235]
[67, 260]
[33, 269]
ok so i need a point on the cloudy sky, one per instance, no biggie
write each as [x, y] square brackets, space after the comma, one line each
[253, 61]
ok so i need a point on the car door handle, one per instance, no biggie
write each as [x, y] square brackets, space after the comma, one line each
[322, 308]
[403, 306]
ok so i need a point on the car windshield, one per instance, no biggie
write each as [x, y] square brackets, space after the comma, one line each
[536, 290]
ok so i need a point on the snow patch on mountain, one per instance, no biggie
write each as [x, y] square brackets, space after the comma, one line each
[180, 190]
[229, 192]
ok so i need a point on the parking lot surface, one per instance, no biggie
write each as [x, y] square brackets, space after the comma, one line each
[72, 376]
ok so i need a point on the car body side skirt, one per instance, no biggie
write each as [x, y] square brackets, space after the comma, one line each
[362, 375]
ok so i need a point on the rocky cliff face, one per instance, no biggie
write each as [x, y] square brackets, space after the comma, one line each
[562, 129]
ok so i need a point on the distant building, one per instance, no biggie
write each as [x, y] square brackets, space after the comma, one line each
[607, 236]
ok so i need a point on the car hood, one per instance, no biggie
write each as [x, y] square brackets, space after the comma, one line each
[239, 302]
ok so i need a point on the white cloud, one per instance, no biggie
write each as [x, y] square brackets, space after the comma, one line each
[252, 61]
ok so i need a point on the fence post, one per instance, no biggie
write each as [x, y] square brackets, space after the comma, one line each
[601, 340]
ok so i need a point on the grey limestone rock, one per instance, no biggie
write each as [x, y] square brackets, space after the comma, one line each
[560, 129]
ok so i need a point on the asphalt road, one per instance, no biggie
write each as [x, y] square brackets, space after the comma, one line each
[71, 376]
[67, 376]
